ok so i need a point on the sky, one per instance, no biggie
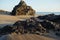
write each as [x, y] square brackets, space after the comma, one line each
[38, 5]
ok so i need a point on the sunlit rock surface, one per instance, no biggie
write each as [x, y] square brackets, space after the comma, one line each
[22, 9]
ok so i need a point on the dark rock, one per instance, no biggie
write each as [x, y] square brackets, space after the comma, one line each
[47, 25]
[53, 21]
[29, 26]
[50, 17]
[32, 25]
[6, 30]
[20, 26]
[58, 33]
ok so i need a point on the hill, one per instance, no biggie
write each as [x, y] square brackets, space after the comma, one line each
[4, 12]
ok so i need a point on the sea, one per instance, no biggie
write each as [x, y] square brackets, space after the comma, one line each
[46, 13]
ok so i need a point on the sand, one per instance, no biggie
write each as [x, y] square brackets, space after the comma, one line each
[25, 37]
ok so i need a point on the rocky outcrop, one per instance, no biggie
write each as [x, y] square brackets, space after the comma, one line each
[4, 12]
[32, 25]
[22, 9]
[50, 17]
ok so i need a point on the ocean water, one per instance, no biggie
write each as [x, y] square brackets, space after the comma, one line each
[45, 13]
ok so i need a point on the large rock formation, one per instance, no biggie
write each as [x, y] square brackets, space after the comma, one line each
[22, 9]
[33, 25]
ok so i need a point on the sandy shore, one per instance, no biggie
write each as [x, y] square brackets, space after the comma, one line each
[25, 37]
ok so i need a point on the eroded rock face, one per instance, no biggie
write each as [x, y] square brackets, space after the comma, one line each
[22, 9]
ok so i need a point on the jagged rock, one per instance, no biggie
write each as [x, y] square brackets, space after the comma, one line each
[51, 17]
[20, 26]
[22, 9]
[29, 26]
